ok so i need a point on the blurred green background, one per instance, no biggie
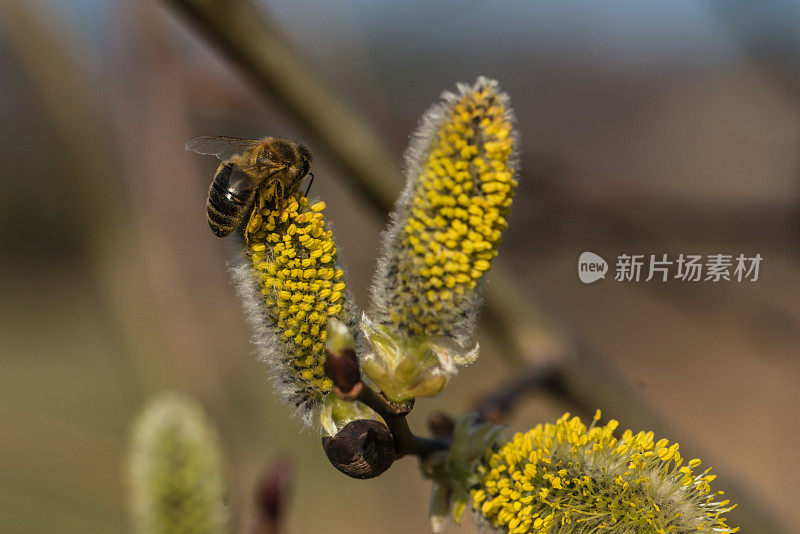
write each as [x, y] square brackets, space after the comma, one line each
[646, 128]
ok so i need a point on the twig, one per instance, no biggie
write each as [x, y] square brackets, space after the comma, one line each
[342, 367]
[496, 405]
[406, 442]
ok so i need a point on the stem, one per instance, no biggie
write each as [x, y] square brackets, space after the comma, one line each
[497, 405]
[394, 415]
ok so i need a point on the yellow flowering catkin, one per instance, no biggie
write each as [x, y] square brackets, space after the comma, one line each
[568, 478]
[176, 471]
[291, 287]
[450, 217]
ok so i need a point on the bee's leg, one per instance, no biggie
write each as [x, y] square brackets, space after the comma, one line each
[277, 195]
[268, 194]
[311, 174]
[255, 205]
[280, 194]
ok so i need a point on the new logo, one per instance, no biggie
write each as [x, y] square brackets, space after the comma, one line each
[591, 267]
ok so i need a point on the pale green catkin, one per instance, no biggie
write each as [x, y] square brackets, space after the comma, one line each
[175, 470]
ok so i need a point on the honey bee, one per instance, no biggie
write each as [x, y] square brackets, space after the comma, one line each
[279, 165]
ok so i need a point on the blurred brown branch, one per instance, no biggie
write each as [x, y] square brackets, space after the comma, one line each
[58, 75]
[252, 41]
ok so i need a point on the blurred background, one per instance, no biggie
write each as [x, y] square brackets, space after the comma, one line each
[646, 127]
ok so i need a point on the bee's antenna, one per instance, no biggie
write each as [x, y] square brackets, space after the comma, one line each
[311, 174]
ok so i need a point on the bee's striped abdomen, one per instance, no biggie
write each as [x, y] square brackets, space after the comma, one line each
[224, 210]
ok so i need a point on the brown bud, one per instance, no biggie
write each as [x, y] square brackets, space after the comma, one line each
[343, 369]
[441, 425]
[362, 449]
[492, 412]
[271, 495]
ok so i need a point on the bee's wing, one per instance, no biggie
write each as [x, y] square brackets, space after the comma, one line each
[222, 147]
